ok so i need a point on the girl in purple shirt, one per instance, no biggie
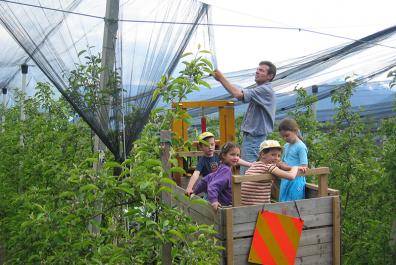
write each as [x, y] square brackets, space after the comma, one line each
[218, 183]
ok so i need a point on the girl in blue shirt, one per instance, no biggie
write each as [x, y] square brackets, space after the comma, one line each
[295, 153]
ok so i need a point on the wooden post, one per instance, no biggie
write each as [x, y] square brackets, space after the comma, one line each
[236, 193]
[229, 222]
[4, 90]
[336, 231]
[165, 141]
[323, 185]
[2, 254]
[315, 90]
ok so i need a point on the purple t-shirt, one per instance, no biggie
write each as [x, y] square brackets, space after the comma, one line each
[217, 185]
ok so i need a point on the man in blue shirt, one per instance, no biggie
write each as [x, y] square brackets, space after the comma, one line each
[259, 118]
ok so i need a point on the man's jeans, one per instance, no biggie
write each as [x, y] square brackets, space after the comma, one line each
[250, 148]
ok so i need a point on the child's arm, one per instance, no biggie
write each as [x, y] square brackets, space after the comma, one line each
[219, 183]
[282, 165]
[192, 181]
[244, 163]
[202, 186]
[290, 175]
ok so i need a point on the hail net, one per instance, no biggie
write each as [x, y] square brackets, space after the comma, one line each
[50, 34]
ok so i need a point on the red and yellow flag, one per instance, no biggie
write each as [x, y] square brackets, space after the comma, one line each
[275, 239]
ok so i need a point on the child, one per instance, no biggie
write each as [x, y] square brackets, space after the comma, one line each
[218, 184]
[260, 192]
[295, 153]
[209, 162]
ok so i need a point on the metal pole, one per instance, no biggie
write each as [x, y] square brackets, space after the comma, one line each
[315, 90]
[4, 108]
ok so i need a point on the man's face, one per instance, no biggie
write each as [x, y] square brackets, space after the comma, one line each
[262, 74]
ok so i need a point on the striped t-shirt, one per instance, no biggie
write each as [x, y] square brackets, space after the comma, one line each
[253, 193]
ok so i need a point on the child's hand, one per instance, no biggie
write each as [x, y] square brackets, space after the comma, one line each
[302, 169]
[216, 205]
[189, 191]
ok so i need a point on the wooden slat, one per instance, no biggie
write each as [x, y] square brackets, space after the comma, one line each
[336, 231]
[313, 206]
[229, 236]
[244, 178]
[310, 221]
[203, 104]
[331, 192]
[309, 172]
[317, 249]
[205, 210]
[192, 153]
[308, 237]
[323, 259]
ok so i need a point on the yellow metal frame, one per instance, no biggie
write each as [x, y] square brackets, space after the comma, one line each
[226, 118]
[226, 123]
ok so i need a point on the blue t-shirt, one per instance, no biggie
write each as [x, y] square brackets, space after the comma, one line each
[208, 165]
[294, 155]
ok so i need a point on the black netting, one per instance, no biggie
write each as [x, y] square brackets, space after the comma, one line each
[145, 52]
[151, 37]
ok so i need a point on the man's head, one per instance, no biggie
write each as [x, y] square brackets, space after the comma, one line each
[265, 72]
[206, 142]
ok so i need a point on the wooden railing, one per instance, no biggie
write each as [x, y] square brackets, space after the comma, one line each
[321, 172]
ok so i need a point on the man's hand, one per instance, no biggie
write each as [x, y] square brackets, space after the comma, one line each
[218, 75]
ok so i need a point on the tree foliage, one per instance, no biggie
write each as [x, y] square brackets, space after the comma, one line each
[360, 155]
[50, 194]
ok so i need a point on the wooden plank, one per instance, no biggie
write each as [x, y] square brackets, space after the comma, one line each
[315, 188]
[185, 203]
[336, 231]
[310, 221]
[192, 153]
[324, 259]
[317, 249]
[244, 178]
[203, 104]
[323, 185]
[308, 237]
[313, 206]
[229, 236]
[236, 194]
[310, 172]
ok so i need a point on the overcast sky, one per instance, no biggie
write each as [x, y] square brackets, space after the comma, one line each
[242, 48]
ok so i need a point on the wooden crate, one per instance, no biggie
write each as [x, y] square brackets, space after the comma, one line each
[319, 243]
